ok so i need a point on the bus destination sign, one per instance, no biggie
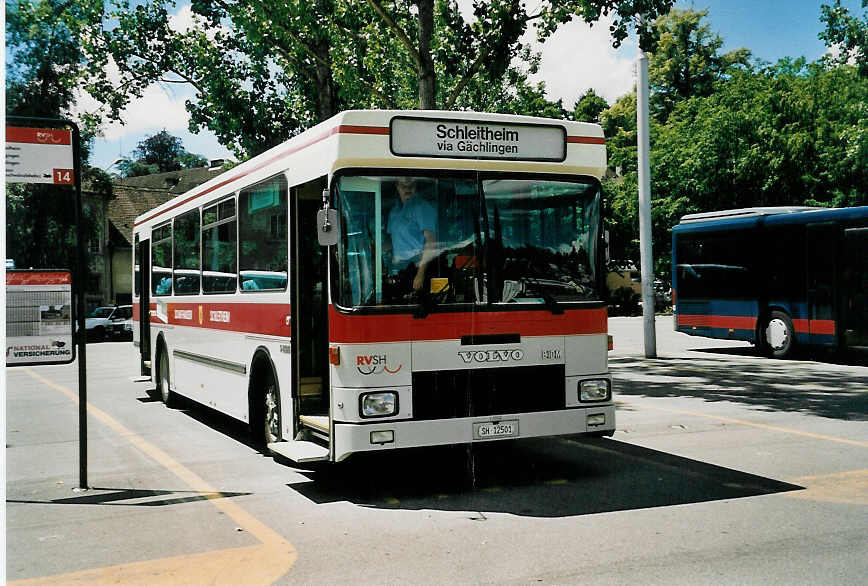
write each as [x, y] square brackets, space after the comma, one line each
[468, 139]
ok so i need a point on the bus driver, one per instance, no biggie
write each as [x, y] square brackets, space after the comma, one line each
[412, 226]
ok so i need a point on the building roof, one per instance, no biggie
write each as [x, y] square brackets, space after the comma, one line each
[136, 195]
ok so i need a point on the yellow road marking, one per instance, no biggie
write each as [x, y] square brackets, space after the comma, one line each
[241, 565]
[830, 438]
[844, 487]
[259, 564]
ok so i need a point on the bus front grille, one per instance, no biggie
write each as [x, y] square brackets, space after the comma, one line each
[488, 391]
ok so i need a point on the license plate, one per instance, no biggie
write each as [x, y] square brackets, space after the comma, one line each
[491, 430]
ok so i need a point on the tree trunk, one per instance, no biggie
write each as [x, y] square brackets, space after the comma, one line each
[427, 77]
[327, 102]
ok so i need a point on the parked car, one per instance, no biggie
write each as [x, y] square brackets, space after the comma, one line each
[109, 322]
[121, 327]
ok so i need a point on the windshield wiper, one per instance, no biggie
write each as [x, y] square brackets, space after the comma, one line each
[550, 302]
[428, 302]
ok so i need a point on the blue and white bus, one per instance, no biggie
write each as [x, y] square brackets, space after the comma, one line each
[775, 277]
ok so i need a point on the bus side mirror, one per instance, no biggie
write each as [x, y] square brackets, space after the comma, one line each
[327, 227]
[327, 223]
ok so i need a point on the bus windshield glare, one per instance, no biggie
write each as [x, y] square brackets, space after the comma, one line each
[466, 238]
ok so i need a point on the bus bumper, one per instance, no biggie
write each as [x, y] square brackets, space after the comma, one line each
[350, 438]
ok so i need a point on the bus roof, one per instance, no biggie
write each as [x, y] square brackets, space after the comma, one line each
[743, 213]
[771, 215]
[411, 139]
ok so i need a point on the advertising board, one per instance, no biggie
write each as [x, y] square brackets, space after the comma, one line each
[39, 318]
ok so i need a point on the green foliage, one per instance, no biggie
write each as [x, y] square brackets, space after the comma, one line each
[847, 33]
[159, 153]
[686, 61]
[589, 106]
[787, 134]
[47, 63]
[263, 71]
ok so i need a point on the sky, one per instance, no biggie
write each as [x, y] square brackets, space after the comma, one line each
[576, 58]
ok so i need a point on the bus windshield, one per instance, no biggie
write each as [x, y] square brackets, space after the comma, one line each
[466, 238]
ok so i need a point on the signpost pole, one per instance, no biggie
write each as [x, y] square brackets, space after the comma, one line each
[38, 151]
[81, 269]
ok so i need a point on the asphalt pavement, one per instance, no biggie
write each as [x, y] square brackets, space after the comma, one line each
[726, 468]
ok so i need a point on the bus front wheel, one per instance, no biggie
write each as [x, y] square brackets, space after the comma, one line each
[271, 412]
[778, 335]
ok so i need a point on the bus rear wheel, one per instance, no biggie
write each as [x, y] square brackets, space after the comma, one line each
[163, 378]
[778, 335]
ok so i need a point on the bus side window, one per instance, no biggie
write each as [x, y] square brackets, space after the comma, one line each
[219, 262]
[186, 254]
[262, 236]
[161, 261]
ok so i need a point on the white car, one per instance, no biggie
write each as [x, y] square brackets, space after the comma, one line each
[104, 322]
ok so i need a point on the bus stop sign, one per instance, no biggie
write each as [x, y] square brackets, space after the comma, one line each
[39, 155]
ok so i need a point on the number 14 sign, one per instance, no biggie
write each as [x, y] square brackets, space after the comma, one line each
[39, 155]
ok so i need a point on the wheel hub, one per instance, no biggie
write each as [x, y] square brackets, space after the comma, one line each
[776, 334]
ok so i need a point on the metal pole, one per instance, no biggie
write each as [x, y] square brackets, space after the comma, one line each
[81, 269]
[647, 260]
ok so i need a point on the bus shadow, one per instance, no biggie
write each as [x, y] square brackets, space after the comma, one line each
[813, 354]
[539, 478]
[225, 424]
[771, 385]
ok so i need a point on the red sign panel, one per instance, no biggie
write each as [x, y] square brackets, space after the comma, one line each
[38, 135]
[38, 278]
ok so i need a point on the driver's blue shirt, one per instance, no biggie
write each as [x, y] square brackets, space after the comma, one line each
[406, 224]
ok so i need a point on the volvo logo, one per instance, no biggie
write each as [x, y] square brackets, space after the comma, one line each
[469, 356]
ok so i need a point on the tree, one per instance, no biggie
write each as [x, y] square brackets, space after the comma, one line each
[846, 33]
[47, 61]
[589, 107]
[262, 71]
[686, 61]
[159, 153]
[46, 64]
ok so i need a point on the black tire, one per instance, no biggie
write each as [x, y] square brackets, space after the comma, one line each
[164, 377]
[778, 335]
[99, 334]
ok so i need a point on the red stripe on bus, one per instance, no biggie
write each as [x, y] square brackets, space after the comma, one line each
[344, 129]
[350, 129]
[345, 328]
[251, 318]
[734, 322]
[815, 326]
[586, 140]
[49, 136]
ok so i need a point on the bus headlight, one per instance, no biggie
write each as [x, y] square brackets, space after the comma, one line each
[594, 390]
[380, 404]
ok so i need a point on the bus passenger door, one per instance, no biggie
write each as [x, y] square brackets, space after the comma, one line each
[310, 382]
[854, 289]
[821, 252]
[143, 254]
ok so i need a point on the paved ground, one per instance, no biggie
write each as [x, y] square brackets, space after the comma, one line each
[726, 468]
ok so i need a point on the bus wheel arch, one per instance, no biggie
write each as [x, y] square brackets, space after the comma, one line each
[265, 418]
[776, 335]
[162, 372]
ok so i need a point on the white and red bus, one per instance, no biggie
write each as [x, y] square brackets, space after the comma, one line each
[387, 280]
